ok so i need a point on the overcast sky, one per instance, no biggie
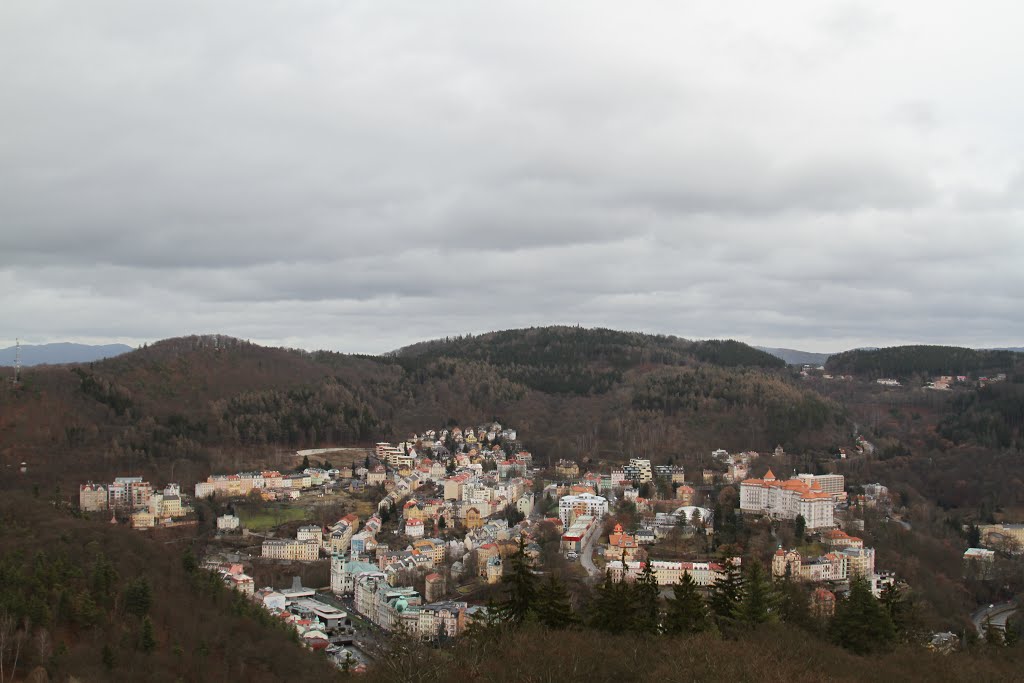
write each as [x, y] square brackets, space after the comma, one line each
[362, 175]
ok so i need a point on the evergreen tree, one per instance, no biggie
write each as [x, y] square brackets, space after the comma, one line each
[901, 611]
[554, 608]
[727, 593]
[107, 656]
[861, 623]
[974, 536]
[799, 527]
[612, 609]
[686, 611]
[646, 601]
[756, 605]
[521, 588]
[138, 597]
[792, 603]
[147, 641]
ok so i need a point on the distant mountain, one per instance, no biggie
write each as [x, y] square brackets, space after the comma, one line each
[55, 354]
[795, 357]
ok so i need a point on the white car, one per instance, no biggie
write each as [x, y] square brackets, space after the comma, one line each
[572, 555]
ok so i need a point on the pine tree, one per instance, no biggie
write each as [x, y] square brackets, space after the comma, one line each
[861, 623]
[793, 603]
[686, 611]
[521, 586]
[147, 641]
[646, 595]
[756, 604]
[901, 611]
[138, 597]
[612, 609]
[554, 608]
[799, 528]
[727, 593]
[107, 656]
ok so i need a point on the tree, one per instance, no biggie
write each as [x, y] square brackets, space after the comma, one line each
[147, 641]
[521, 588]
[686, 611]
[554, 608]
[646, 600]
[861, 623]
[138, 597]
[799, 527]
[305, 464]
[107, 656]
[792, 602]
[756, 605]
[727, 592]
[974, 536]
[901, 611]
[612, 609]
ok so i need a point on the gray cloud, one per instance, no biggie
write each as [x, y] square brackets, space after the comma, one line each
[364, 175]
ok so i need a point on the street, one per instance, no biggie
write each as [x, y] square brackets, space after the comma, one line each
[996, 615]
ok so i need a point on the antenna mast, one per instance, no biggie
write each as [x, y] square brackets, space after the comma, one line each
[17, 360]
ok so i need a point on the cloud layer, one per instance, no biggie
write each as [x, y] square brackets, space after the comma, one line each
[361, 175]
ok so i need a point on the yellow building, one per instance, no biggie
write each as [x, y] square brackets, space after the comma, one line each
[290, 549]
[474, 520]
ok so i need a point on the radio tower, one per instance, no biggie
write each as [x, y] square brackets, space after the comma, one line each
[17, 360]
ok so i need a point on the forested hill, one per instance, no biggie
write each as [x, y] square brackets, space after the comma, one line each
[208, 400]
[580, 360]
[906, 361]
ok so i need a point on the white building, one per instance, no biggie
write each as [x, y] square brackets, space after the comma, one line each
[571, 507]
[228, 522]
[787, 499]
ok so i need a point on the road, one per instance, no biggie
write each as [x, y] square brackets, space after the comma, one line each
[997, 615]
[587, 556]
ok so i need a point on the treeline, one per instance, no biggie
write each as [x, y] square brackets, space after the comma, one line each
[99, 603]
[906, 361]
[749, 628]
[574, 360]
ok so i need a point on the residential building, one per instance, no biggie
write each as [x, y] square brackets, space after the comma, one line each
[570, 507]
[291, 549]
[92, 497]
[310, 532]
[828, 567]
[639, 470]
[567, 469]
[860, 562]
[228, 523]
[668, 573]
[620, 543]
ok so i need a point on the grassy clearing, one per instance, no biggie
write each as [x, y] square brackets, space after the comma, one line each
[265, 518]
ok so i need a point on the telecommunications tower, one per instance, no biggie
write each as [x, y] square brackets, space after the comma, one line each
[17, 360]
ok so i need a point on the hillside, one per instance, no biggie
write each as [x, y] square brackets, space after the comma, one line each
[64, 352]
[578, 393]
[106, 603]
[907, 361]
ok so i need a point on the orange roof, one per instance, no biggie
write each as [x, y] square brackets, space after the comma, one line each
[769, 475]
